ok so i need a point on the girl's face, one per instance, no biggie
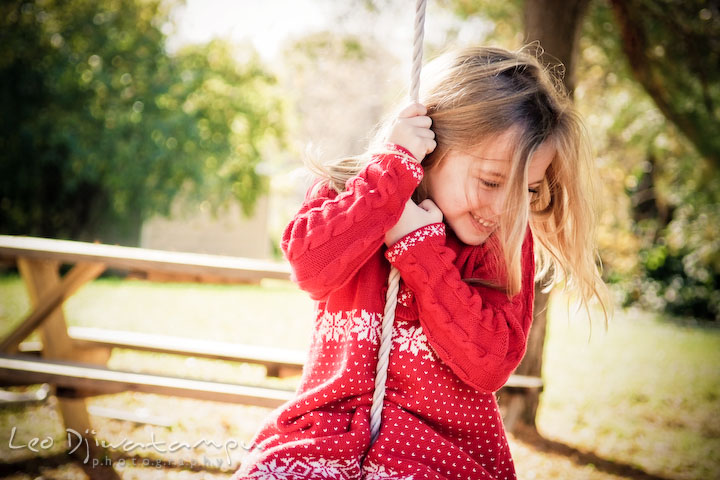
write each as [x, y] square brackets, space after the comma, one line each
[469, 187]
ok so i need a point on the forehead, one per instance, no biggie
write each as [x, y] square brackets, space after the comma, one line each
[495, 149]
[493, 157]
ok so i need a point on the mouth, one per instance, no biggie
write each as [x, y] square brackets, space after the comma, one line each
[483, 224]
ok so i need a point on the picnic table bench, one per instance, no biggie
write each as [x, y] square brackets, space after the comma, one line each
[74, 359]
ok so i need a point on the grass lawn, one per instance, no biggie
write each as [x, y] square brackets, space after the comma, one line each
[645, 394]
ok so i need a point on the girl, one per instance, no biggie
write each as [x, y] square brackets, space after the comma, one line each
[463, 220]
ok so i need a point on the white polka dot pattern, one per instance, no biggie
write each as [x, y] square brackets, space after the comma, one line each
[452, 345]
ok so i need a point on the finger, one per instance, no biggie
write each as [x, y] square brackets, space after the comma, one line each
[425, 133]
[430, 146]
[413, 110]
[420, 121]
[433, 211]
[429, 206]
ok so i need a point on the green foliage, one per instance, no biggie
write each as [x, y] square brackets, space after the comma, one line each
[674, 50]
[659, 239]
[510, 11]
[506, 17]
[661, 194]
[680, 267]
[101, 127]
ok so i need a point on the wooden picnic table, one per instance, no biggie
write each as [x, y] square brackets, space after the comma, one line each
[74, 359]
[39, 258]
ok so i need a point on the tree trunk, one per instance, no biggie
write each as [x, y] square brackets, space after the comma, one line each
[698, 46]
[520, 405]
[556, 25]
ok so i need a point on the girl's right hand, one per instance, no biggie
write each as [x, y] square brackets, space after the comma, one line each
[411, 130]
[413, 217]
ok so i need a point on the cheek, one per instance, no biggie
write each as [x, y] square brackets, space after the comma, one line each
[475, 196]
[453, 193]
[447, 203]
[460, 200]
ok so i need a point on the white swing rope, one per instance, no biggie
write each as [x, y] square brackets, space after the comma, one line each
[394, 277]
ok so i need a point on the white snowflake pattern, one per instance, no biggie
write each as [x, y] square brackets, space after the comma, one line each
[273, 470]
[367, 326]
[411, 165]
[406, 160]
[419, 235]
[405, 297]
[411, 338]
[332, 325]
[344, 325]
[308, 467]
[328, 468]
[373, 471]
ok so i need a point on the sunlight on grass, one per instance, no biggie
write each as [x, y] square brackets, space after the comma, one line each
[643, 393]
[33, 421]
[14, 303]
[198, 368]
[274, 313]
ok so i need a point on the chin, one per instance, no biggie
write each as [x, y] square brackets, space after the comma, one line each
[468, 232]
[472, 239]
[475, 241]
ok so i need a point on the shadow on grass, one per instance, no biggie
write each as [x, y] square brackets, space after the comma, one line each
[37, 466]
[532, 437]
[33, 466]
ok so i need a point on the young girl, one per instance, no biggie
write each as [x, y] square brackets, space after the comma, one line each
[463, 220]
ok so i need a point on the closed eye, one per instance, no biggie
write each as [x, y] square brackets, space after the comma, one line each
[489, 184]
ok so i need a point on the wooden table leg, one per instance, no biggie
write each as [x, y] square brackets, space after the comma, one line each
[41, 276]
[47, 293]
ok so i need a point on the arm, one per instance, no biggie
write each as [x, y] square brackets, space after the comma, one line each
[481, 337]
[333, 235]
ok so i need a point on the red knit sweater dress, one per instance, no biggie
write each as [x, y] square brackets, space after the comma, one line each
[454, 343]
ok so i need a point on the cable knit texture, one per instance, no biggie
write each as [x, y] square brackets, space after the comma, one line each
[454, 343]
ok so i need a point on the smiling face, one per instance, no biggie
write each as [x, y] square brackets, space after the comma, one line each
[470, 186]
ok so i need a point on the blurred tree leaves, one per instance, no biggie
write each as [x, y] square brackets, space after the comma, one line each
[661, 202]
[101, 127]
[674, 51]
[507, 17]
[649, 87]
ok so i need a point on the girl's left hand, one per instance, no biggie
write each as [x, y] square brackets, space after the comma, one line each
[412, 131]
[413, 217]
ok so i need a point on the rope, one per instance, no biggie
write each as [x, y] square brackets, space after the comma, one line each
[384, 353]
[417, 49]
[394, 277]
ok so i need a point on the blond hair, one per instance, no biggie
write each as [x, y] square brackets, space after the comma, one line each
[480, 93]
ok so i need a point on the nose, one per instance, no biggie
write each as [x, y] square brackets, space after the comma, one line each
[497, 203]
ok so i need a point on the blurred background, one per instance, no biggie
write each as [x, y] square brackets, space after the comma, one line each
[182, 125]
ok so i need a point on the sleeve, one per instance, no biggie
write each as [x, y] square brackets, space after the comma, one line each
[481, 336]
[333, 234]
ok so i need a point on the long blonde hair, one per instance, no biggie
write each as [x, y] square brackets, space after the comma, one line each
[479, 93]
